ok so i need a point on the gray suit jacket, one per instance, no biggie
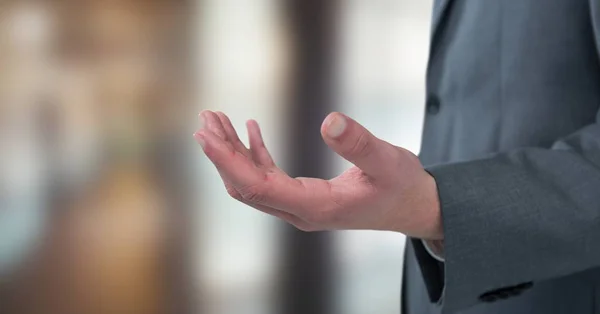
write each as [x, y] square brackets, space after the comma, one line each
[512, 137]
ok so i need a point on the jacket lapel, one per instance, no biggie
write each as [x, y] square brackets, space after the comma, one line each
[440, 8]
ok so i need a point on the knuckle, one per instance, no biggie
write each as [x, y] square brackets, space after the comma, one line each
[305, 227]
[209, 152]
[233, 193]
[311, 218]
[330, 217]
[321, 217]
[362, 146]
[404, 153]
[255, 194]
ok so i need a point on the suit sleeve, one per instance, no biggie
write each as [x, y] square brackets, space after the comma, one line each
[518, 217]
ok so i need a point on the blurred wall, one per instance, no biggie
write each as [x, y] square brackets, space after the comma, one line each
[93, 94]
[107, 205]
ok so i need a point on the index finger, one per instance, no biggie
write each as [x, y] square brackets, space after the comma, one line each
[270, 187]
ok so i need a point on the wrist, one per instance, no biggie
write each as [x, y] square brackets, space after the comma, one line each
[433, 229]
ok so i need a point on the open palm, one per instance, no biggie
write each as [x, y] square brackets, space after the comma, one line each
[388, 189]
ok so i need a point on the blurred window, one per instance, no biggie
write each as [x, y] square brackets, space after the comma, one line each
[382, 59]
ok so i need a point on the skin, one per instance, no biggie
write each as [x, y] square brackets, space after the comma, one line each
[387, 189]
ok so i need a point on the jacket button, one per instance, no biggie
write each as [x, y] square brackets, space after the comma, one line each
[524, 286]
[488, 298]
[505, 294]
[433, 105]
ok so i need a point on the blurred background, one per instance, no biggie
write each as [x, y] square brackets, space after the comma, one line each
[107, 205]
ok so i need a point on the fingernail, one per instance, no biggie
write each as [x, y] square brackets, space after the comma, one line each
[200, 140]
[202, 120]
[336, 126]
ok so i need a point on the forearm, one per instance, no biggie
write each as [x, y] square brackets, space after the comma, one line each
[517, 217]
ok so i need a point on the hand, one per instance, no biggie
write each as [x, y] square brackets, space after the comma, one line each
[388, 189]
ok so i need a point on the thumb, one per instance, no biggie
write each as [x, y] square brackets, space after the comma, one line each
[356, 144]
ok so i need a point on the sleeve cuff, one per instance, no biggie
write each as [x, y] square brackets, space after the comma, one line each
[437, 256]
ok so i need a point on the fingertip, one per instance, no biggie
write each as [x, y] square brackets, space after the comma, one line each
[215, 125]
[220, 114]
[205, 116]
[256, 126]
[259, 151]
[200, 138]
[211, 143]
[326, 122]
[253, 128]
[333, 114]
[334, 125]
[226, 124]
[251, 123]
[206, 134]
[202, 119]
[204, 112]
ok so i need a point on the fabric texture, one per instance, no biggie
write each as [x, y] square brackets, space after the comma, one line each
[514, 146]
